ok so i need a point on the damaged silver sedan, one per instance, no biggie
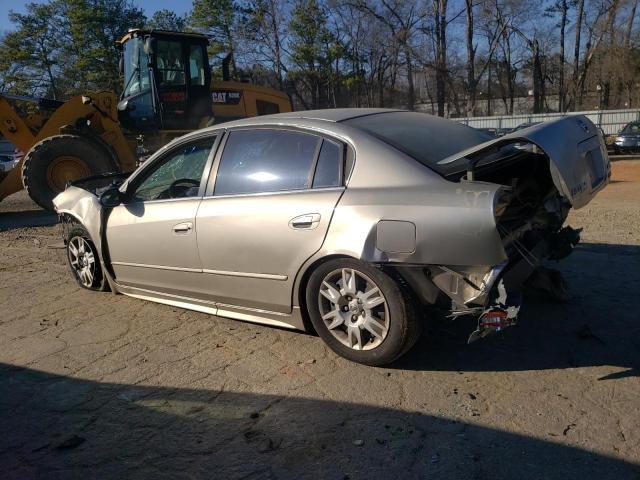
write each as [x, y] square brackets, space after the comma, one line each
[347, 222]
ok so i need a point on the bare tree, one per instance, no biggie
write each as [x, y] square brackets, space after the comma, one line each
[267, 28]
[440, 24]
[401, 19]
[629, 27]
[561, 7]
[493, 32]
[576, 50]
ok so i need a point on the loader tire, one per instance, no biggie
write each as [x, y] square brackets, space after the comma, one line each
[59, 159]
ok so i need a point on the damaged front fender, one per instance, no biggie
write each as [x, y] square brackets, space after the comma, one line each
[84, 207]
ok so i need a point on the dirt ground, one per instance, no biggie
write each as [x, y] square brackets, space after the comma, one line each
[103, 386]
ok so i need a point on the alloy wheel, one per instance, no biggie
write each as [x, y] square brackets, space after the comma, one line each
[354, 309]
[82, 260]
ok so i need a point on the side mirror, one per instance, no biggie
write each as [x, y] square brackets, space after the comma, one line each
[121, 63]
[111, 197]
[86, 100]
[126, 106]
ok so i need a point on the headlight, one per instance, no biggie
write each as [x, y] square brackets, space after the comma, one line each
[619, 140]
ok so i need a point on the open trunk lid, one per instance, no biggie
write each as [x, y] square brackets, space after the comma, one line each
[577, 154]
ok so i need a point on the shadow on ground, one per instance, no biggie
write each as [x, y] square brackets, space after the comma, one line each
[598, 326]
[64, 428]
[26, 218]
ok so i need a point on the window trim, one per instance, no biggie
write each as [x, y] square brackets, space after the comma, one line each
[141, 174]
[346, 152]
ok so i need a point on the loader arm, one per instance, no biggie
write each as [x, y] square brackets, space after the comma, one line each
[102, 121]
[14, 128]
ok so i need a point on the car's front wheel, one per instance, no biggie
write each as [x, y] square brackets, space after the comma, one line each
[84, 261]
[360, 312]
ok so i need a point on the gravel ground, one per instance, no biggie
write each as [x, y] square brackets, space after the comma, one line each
[104, 386]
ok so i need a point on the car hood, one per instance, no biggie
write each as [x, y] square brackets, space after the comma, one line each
[577, 155]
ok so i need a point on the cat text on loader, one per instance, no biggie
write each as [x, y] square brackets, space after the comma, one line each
[167, 92]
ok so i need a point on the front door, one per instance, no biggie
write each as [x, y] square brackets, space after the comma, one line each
[151, 236]
[274, 195]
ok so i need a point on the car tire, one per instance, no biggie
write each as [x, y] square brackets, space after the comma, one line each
[397, 314]
[84, 261]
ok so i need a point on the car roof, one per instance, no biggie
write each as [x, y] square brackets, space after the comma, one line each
[328, 115]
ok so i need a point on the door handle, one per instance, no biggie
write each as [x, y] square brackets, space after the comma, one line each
[306, 221]
[183, 228]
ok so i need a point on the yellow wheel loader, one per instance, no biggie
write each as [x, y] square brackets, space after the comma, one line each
[167, 92]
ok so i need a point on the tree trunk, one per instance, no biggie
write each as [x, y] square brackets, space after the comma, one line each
[441, 54]
[471, 54]
[611, 21]
[629, 28]
[231, 48]
[489, 93]
[538, 78]
[411, 96]
[381, 83]
[276, 41]
[454, 95]
[563, 23]
[510, 71]
[576, 55]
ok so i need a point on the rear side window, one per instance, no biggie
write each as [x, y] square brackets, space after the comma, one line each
[257, 161]
[330, 166]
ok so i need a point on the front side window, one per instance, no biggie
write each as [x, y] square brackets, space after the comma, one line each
[257, 161]
[178, 175]
[169, 61]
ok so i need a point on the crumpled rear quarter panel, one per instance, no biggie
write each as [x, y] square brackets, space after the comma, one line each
[454, 222]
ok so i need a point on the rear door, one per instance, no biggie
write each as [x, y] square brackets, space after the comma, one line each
[274, 195]
[151, 237]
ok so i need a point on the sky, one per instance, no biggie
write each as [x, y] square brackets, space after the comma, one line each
[149, 6]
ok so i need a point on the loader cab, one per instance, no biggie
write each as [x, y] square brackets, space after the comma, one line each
[166, 80]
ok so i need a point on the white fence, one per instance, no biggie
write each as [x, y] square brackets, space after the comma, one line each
[611, 121]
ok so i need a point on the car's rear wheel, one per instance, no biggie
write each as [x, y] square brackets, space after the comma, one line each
[84, 261]
[360, 312]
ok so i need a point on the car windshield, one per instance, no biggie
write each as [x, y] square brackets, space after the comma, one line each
[633, 128]
[426, 138]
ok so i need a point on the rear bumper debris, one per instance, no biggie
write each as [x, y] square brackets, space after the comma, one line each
[502, 313]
